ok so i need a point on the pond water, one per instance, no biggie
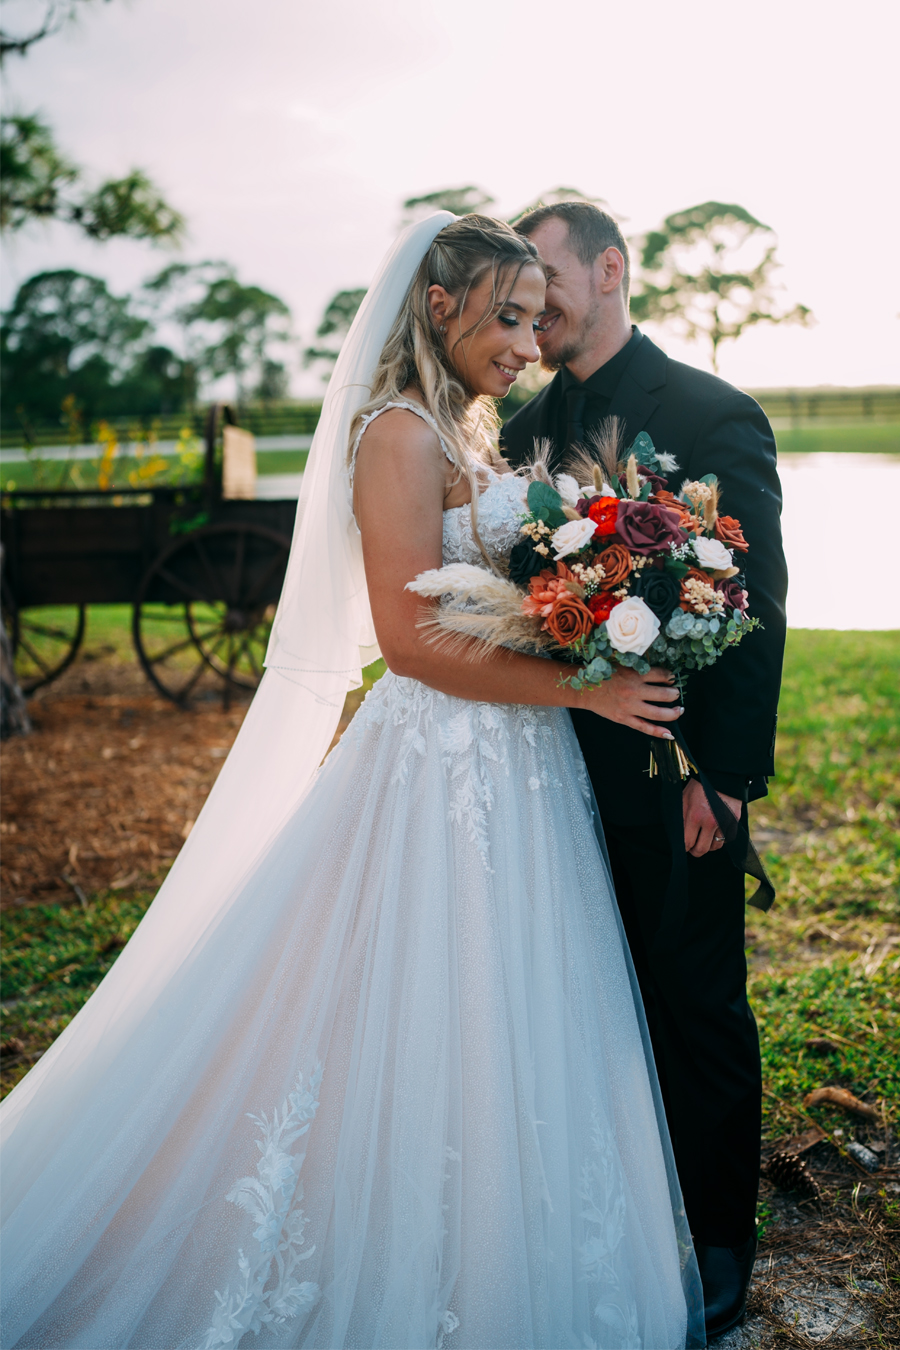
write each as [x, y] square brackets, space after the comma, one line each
[840, 522]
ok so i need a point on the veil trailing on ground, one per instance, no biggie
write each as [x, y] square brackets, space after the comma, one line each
[321, 638]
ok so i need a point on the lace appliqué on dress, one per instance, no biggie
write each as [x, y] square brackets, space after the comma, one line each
[473, 740]
[273, 1202]
[603, 1210]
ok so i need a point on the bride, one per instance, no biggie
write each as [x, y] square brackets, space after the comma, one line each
[373, 1071]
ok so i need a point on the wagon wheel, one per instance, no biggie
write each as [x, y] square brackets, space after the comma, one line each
[45, 641]
[204, 610]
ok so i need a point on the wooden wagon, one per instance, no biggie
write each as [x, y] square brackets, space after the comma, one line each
[201, 573]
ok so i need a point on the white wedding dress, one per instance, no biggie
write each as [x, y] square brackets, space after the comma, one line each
[407, 1103]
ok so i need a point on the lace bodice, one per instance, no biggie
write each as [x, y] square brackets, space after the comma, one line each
[500, 506]
[500, 510]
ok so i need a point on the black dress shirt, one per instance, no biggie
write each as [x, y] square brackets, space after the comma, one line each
[586, 403]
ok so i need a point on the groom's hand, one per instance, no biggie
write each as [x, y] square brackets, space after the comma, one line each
[701, 829]
[641, 702]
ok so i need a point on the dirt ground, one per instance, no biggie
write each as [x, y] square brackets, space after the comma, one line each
[105, 792]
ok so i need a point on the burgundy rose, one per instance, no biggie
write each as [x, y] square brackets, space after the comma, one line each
[645, 528]
[733, 593]
[658, 483]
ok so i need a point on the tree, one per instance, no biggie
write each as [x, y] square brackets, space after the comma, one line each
[274, 382]
[459, 200]
[708, 272]
[37, 182]
[68, 343]
[339, 315]
[230, 328]
[56, 14]
[65, 333]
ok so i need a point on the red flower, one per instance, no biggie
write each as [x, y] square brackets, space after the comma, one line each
[602, 605]
[603, 511]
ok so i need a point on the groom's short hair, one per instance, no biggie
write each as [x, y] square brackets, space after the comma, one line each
[591, 231]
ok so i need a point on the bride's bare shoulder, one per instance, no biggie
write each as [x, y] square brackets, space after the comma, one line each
[399, 426]
[400, 445]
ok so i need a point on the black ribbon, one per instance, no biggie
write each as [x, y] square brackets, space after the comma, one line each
[738, 844]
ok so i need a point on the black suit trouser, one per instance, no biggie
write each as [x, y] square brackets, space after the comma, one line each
[703, 1032]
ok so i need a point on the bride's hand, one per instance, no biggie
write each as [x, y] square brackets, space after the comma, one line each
[637, 701]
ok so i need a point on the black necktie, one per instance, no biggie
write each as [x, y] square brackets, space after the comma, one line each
[575, 401]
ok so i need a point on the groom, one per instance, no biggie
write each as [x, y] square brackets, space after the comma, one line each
[703, 1032]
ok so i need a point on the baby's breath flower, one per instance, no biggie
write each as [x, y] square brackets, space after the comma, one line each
[696, 493]
[703, 598]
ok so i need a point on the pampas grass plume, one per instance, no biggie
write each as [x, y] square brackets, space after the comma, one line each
[479, 612]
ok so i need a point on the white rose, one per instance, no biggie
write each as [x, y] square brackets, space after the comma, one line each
[572, 536]
[712, 553]
[632, 626]
[568, 488]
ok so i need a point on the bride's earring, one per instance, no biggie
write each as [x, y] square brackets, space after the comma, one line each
[443, 328]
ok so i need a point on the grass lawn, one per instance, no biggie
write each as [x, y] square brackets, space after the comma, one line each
[873, 437]
[824, 963]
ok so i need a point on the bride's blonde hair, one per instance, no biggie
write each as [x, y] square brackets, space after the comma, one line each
[460, 257]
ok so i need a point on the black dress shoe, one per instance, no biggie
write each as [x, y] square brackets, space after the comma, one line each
[725, 1275]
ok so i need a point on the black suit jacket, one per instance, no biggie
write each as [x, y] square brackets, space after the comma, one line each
[730, 708]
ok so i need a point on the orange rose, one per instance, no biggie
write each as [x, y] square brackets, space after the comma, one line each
[729, 531]
[569, 619]
[616, 564]
[671, 503]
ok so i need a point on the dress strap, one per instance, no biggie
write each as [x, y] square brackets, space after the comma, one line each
[402, 403]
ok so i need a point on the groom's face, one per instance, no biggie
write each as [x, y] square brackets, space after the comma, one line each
[572, 307]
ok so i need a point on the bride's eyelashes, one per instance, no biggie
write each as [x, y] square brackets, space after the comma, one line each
[512, 321]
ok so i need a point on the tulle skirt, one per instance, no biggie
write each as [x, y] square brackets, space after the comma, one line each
[396, 1096]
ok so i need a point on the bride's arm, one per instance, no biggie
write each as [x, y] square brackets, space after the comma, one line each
[399, 493]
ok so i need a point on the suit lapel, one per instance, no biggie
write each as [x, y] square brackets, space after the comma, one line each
[633, 402]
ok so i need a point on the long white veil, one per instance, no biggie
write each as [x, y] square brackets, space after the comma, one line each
[322, 637]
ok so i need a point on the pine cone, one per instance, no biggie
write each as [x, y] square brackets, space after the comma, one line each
[790, 1173]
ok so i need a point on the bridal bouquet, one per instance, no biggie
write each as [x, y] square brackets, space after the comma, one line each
[612, 568]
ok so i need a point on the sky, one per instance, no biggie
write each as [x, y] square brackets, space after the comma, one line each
[289, 133]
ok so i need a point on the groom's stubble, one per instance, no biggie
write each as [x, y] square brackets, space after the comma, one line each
[554, 359]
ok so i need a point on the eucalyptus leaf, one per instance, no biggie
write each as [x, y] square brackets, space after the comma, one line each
[598, 669]
[643, 450]
[545, 503]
